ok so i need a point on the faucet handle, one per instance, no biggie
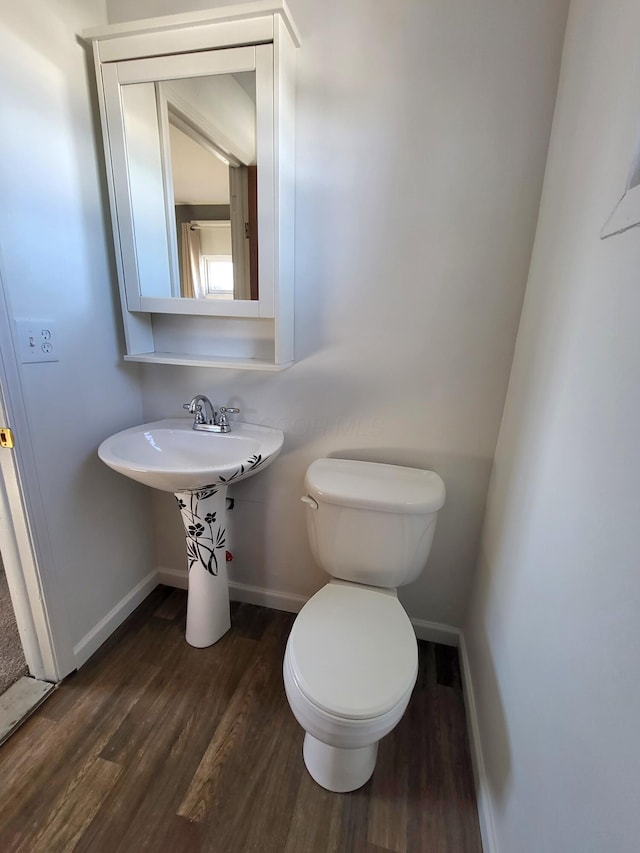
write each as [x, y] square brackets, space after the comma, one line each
[196, 408]
[223, 420]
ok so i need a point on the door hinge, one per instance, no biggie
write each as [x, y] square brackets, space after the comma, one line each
[6, 437]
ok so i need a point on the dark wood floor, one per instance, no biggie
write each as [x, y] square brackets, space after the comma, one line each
[157, 746]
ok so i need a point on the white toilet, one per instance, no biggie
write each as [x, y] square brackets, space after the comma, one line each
[352, 657]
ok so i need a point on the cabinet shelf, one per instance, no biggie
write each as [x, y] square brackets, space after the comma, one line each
[207, 361]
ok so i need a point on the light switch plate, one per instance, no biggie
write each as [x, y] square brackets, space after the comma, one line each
[37, 340]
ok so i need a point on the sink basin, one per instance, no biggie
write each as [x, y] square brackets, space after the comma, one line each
[197, 466]
[171, 456]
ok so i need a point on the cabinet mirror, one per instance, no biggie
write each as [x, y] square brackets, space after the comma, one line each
[191, 142]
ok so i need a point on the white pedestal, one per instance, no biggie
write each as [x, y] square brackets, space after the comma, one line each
[338, 770]
[204, 518]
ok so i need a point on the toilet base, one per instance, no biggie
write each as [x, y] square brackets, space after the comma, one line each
[338, 770]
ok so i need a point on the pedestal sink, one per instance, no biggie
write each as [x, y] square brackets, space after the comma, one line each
[197, 467]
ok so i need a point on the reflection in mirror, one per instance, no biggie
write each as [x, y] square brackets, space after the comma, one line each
[206, 263]
[205, 169]
[211, 123]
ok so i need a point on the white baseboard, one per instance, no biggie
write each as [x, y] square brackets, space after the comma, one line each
[433, 632]
[436, 632]
[485, 812]
[241, 592]
[173, 577]
[92, 641]
[267, 597]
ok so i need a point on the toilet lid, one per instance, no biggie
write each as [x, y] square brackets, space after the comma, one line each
[353, 651]
[375, 486]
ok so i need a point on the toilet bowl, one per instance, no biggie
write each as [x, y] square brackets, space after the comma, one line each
[351, 660]
[349, 670]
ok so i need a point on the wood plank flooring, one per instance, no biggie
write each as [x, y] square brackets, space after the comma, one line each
[156, 746]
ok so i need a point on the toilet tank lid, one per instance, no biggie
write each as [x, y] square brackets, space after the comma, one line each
[375, 486]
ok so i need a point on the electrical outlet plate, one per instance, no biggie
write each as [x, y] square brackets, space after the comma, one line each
[37, 340]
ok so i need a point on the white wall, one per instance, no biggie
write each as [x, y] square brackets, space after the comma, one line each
[553, 632]
[93, 529]
[422, 131]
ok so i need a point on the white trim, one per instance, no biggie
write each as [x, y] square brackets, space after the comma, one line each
[276, 600]
[11, 557]
[221, 14]
[38, 601]
[233, 362]
[200, 308]
[285, 181]
[436, 632]
[289, 602]
[173, 577]
[483, 799]
[92, 641]
[432, 632]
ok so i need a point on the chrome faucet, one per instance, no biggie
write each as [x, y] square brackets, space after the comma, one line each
[202, 408]
[205, 417]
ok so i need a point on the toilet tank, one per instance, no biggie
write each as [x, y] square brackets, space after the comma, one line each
[371, 523]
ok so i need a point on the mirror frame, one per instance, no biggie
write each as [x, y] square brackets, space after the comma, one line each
[163, 69]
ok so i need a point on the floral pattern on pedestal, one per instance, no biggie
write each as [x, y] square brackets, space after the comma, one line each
[203, 516]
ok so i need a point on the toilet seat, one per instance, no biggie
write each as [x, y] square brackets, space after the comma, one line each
[353, 652]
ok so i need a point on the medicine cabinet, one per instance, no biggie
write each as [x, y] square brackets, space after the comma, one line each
[197, 116]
